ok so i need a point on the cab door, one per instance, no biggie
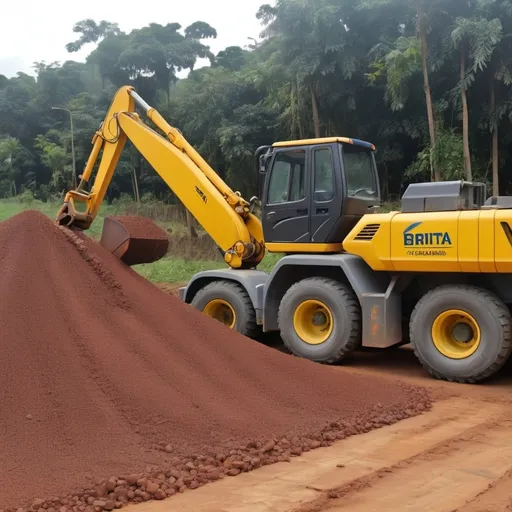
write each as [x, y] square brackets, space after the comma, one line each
[326, 202]
[287, 198]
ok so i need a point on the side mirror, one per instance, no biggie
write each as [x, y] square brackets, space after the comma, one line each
[262, 155]
[262, 165]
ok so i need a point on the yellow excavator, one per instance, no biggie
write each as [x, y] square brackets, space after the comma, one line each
[436, 274]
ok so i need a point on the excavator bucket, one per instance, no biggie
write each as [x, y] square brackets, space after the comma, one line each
[134, 240]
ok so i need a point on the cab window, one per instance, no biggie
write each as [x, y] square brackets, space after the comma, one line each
[324, 175]
[287, 178]
[359, 170]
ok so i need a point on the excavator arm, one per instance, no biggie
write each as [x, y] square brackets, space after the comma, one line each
[223, 213]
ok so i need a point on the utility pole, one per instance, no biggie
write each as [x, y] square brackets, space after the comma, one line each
[72, 142]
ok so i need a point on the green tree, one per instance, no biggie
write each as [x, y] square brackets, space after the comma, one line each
[162, 51]
[476, 40]
[406, 57]
[91, 32]
[499, 78]
[393, 72]
[13, 159]
[314, 42]
[54, 157]
[232, 58]
[422, 35]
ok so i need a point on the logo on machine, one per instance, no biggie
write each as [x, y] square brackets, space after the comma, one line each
[425, 239]
[201, 194]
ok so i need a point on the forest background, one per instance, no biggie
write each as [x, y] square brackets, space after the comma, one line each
[429, 82]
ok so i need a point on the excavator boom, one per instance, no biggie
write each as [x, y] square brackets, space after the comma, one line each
[224, 214]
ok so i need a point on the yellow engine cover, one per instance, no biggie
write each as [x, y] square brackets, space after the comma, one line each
[460, 241]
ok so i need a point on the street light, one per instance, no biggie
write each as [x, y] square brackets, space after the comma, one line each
[72, 142]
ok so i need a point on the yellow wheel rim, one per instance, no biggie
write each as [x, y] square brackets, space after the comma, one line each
[313, 322]
[222, 311]
[456, 334]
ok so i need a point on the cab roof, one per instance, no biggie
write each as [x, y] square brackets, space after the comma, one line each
[324, 140]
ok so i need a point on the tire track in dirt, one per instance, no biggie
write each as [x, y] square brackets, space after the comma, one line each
[470, 471]
[497, 497]
[438, 461]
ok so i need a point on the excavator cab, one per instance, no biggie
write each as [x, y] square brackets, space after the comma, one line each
[315, 191]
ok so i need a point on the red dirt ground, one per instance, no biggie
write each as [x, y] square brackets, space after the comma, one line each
[113, 391]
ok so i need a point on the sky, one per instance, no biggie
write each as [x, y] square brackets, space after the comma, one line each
[35, 30]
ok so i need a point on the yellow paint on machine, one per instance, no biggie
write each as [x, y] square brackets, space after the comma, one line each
[418, 241]
[486, 237]
[455, 241]
[306, 248]
[376, 251]
[468, 249]
[321, 140]
[503, 240]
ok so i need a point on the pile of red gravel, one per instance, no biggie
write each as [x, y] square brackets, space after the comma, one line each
[113, 391]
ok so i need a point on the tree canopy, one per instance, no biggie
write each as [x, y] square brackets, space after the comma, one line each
[429, 82]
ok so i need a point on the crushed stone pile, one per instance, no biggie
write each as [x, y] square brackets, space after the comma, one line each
[113, 391]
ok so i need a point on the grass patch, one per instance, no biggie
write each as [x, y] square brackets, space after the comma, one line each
[167, 270]
[10, 207]
[174, 270]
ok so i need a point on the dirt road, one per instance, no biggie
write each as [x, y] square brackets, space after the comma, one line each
[457, 457]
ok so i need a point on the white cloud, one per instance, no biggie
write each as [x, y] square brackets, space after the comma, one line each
[34, 31]
[9, 66]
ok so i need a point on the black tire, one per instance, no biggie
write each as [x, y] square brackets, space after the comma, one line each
[492, 317]
[237, 297]
[345, 311]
